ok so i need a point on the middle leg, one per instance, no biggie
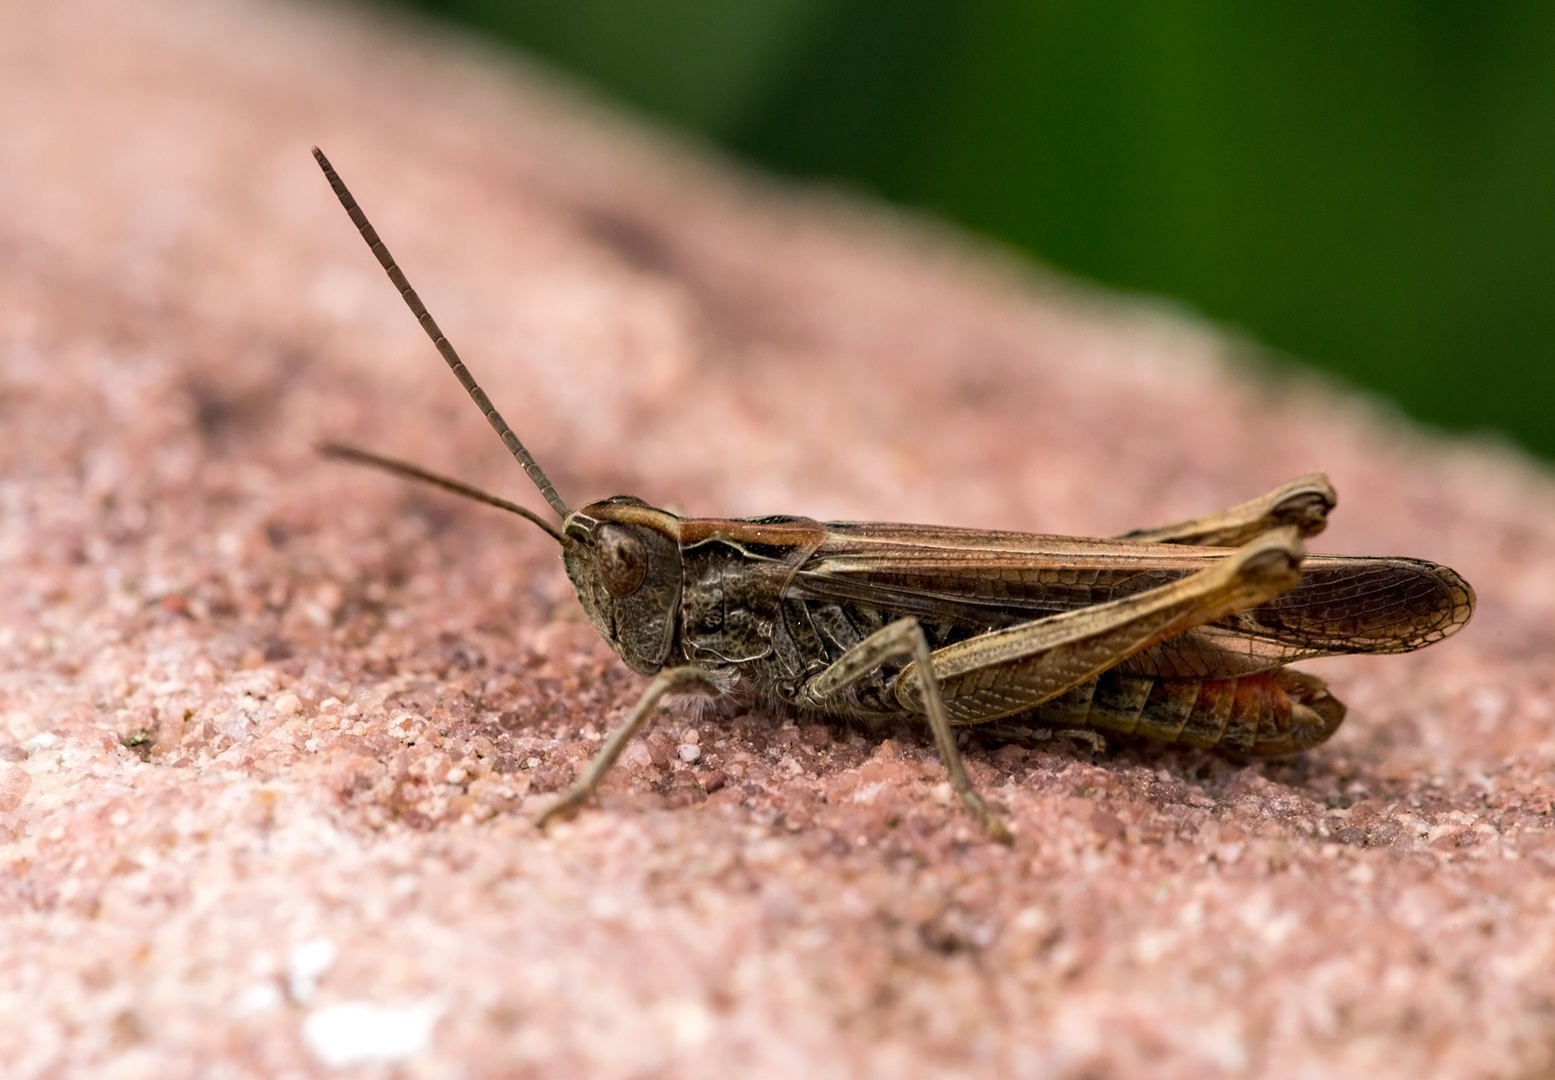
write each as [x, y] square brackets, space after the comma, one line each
[904, 639]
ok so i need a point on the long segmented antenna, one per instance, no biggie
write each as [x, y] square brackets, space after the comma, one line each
[419, 310]
[415, 472]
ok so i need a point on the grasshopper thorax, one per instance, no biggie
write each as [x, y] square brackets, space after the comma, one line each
[623, 557]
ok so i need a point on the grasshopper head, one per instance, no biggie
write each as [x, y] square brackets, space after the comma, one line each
[623, 557]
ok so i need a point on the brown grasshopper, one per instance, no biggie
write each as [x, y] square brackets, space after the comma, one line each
[1180, 634]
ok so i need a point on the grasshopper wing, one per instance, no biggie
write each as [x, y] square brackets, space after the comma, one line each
[961, 582]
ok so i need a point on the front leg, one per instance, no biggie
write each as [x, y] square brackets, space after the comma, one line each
[904, 639]
[1303, 503]
[668, 681]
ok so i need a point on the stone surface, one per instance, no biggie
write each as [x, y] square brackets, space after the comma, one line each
[272, 728]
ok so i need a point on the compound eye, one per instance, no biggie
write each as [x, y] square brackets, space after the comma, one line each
[621, 560]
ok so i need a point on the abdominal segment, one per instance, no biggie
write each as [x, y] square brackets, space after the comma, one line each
[1267, 714]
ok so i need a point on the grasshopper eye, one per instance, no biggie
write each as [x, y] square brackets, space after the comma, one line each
[621, 560]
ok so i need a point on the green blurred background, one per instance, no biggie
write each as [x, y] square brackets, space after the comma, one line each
[1367, 186]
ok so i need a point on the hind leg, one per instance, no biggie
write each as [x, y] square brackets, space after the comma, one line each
[1303, 503]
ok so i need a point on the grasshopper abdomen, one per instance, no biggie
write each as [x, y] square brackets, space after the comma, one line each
[1264, 714]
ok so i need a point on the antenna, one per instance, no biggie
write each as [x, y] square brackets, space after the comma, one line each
[415, 472]
[419, 310]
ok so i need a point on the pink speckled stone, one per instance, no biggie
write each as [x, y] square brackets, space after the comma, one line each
[271, 728]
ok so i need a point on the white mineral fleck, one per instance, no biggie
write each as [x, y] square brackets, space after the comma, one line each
[261, 997]
[357, 1032]
[309, 961]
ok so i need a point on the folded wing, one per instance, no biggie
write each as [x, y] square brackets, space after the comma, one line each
[979, 581]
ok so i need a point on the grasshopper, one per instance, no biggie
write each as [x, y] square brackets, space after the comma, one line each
[1180, 634]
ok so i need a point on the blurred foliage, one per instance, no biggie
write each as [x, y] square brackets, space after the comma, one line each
[1368, 186]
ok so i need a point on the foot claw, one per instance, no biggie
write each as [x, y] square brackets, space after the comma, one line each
[563, 808]
[1093, 739]
[999, 832]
